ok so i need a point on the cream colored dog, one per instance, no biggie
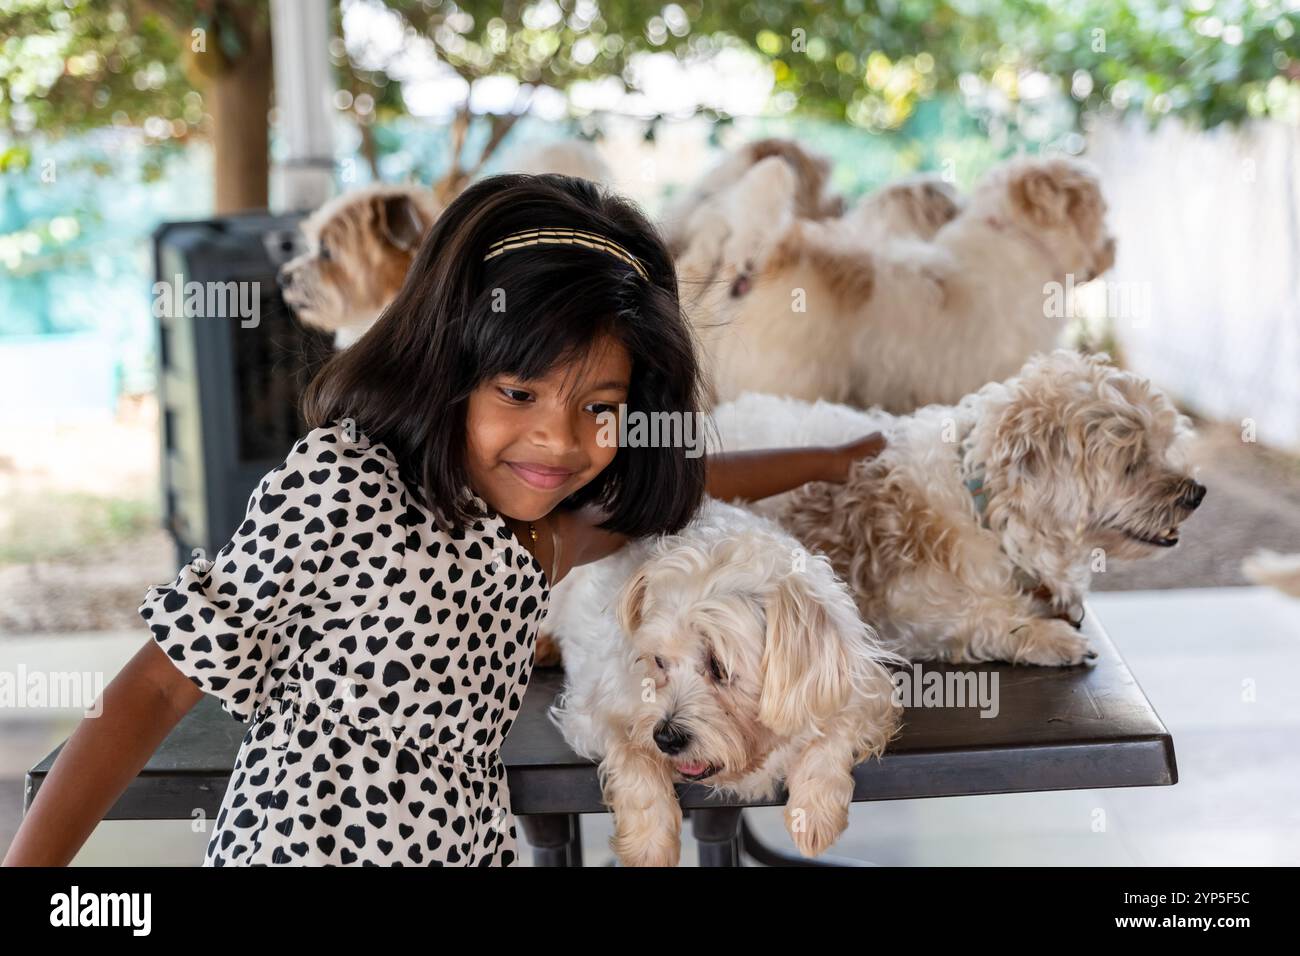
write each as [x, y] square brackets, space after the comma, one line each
[981, 524]
[839, 310]
[724, 655]
[810, 194]
[915, 207]
[359, 247]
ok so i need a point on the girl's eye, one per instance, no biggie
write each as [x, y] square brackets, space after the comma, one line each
[716, 670]
[514, 394]
[598, 408]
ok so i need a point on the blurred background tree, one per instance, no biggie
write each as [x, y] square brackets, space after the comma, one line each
[173, 69]
[183, 68]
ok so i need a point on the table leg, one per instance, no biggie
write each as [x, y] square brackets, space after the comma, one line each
[717, 834]
[556, 838]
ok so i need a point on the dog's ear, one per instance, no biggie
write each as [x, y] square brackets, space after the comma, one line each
[941, 207]
[400, 222]
[1038, 193]
[631, 602]
[1018, 440]
[805, 672]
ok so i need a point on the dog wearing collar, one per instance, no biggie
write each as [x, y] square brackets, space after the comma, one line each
[832, 309]
[974, 535]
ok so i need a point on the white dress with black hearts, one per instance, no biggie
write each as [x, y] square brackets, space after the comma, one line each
[380, 660]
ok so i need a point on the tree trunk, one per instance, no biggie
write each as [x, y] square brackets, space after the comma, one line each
[239, 100]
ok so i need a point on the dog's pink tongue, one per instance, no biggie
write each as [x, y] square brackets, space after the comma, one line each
[691, 769]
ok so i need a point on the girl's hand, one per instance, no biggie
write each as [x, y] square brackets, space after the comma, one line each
[842, 457]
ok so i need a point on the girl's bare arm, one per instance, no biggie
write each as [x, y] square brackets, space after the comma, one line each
[138, 710]
[751, 475]
[744, 475]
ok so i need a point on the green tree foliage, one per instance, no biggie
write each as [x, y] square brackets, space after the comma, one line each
[70, 65]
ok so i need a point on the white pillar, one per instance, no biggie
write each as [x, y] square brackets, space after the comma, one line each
[303, 178]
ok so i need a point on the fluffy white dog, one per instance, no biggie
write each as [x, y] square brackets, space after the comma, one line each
[915, 207]
[727, 655]
[838, 310]
[979, 526]
[810, 195]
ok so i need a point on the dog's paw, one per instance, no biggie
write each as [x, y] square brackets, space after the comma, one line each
[660, 850]
[814, 829]
[1049, 642]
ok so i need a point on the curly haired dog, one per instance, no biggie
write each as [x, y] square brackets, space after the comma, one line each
[839, 310]
[980, 524]
[724, 654]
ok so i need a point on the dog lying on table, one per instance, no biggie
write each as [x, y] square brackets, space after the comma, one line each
[974, 535]
[723, 655]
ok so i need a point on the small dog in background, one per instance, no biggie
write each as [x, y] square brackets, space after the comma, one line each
[359, 248]
[810, 195]
[915, 207]
[727, 238]
[979, 526]
[360, 245]
[722, 655]
[825, 309]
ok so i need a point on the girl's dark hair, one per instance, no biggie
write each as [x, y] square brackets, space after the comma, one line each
[407, 381]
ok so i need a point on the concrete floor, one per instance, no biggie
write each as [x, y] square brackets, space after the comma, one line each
[1215, 663]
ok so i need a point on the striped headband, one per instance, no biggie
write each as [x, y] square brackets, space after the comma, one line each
[564, 237]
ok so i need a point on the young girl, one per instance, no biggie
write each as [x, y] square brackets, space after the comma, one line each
[374, 616]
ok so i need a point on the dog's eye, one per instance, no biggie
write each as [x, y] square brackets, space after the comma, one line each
[659, 662]
[324, 252]
[716, 670]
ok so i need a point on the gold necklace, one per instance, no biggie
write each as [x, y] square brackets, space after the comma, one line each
[532, 534]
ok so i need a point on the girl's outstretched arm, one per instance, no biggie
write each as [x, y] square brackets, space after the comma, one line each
[138, 709]
[750, 475]
[745, 475]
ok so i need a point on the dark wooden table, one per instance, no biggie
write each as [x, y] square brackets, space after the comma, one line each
[1073, 728]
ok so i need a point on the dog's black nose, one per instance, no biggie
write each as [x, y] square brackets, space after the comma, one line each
[670, 738]
[1194, 496]
[284, 278]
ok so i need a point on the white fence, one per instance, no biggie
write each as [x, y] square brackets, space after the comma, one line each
[1211, 221]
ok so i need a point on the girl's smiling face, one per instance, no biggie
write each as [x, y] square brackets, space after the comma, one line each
[530, 444]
